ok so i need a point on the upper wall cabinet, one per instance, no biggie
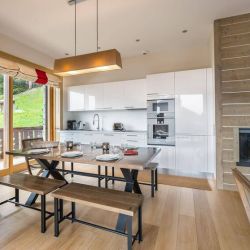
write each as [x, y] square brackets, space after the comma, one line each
[160, 85]
[113, 95]
[93, 96]
[76, 98]
[191, 102]
[135, 94]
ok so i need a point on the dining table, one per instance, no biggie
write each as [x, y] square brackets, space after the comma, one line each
[129, 165]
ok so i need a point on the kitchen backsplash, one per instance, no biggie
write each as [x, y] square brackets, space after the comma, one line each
[132, 119]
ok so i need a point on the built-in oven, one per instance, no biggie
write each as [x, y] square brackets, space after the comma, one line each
[161, 108]
[161, 131]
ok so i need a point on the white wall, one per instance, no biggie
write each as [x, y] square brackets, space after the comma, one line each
[18, 49]
[132, 119]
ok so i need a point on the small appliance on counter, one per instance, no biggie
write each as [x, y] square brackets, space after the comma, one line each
[118, 126]
[71, 125]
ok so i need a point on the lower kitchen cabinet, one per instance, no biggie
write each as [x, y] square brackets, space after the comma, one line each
[192, 154]
[166, 158]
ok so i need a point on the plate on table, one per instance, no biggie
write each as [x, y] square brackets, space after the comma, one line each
[71, 154]
[38, 151]
[108, 157]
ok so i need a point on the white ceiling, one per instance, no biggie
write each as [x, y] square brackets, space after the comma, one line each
[48, 25]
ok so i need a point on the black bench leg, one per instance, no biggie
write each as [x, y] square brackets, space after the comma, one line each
[72, 169]
[152, 183]
[106, 178]
[73, 210]
[140, 224]
[113, 175]
[56, 222]
[129, 227]
[63, 168]
[43, 213]
[156, 180]
[61, 209]
[16, 196]
[99, 173]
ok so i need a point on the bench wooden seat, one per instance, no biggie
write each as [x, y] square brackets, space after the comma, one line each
[31, 183]
[107, 199]
[35, 184]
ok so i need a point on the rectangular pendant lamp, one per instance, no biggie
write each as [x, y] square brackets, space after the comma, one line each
[88, 63]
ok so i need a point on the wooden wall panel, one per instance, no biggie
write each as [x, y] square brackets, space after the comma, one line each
[232, 86]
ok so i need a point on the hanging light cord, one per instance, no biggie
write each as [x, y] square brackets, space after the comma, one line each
[75, 27]
[97, 25]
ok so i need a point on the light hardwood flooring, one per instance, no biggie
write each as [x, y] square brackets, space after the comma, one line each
[177, 218]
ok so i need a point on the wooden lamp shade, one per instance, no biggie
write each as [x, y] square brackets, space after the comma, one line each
[88, 63]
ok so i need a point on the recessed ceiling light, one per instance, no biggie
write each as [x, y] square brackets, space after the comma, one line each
[184, 31]
[138, 40]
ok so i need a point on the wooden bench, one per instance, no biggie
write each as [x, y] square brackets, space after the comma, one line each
[107, 199]
[39, 185]
[153, 183]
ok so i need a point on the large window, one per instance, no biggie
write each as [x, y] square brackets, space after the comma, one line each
[1, 121]
[29, 113]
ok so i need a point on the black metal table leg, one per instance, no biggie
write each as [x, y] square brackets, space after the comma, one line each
[73, 210]
[43, 213]
[72, 169]
[16, 196]
[152, 183]
[63, 168]
[113, 175]
[106, 179]
[140, 224]
[56, 222]
[99, 173]
[61, 209]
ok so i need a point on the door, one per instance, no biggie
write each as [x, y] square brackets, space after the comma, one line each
[113, 95]
[191, 153]
[76, 97]
[94, 97]
[135, 94]
[191, 102]
[166, 158]
[160, 85]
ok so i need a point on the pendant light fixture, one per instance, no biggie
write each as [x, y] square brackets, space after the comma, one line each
[88, 63]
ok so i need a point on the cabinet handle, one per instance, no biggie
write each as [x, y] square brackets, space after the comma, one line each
[132, 135]
[108, 135]
[153, 93]
[108, 108]
[132, 141]
[129, 107]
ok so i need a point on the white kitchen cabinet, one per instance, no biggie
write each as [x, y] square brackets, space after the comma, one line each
[135, 94]
[112, 138]
[94, 96]
[191, 102]
[113, 95]
[135, 139]
[166, 157]
[160, 85]
[76, 98]
[191, 153]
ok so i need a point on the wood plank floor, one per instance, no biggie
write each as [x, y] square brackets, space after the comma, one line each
[177, 218]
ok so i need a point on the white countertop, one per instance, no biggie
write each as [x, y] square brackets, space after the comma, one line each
[103, 131]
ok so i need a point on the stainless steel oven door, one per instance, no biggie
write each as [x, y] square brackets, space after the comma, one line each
[161, 108]
[161, 131]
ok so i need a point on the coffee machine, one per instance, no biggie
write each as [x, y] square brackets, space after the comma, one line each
[71, 125]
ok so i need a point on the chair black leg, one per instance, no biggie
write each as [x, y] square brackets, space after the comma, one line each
[63, 168]
[56, 222]
[113, 175]
[129, 227]
[16, 196]
[73, 210]
[99, 173]
[61, 209]
[72, 169]
[140, 224]
[106, 179]
[43, 213]
[152, 183]
[156, 179]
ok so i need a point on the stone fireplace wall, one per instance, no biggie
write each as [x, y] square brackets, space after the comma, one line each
[232, 91]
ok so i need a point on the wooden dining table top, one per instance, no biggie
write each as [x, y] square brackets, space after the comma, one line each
[137, 162]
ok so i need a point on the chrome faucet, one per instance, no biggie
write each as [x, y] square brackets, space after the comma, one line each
[98, 121]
